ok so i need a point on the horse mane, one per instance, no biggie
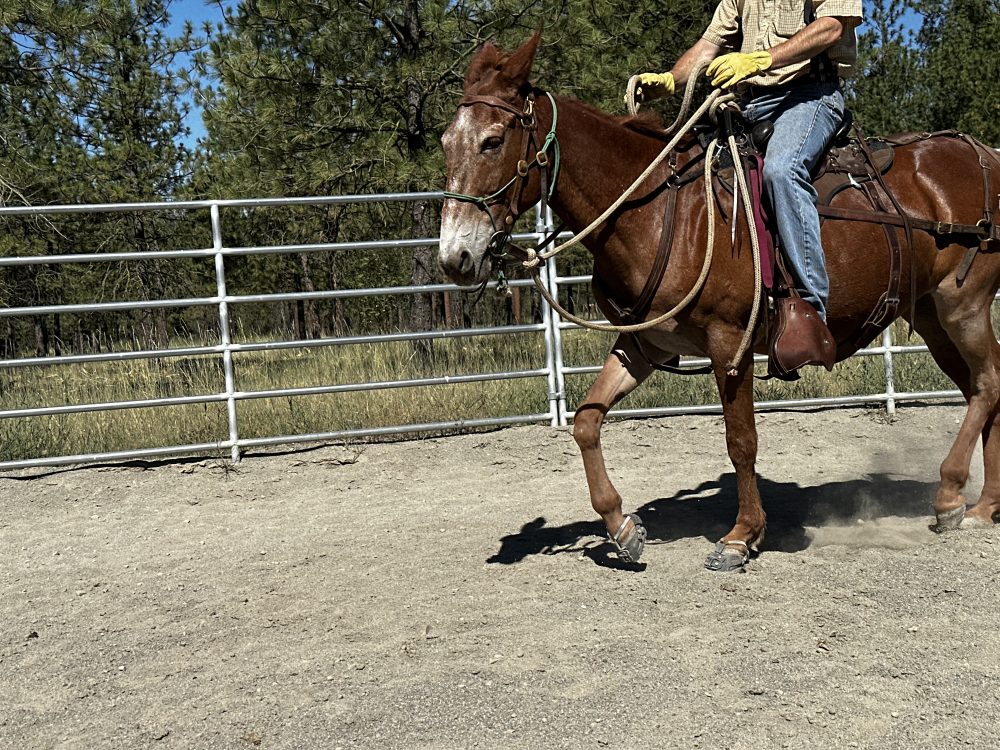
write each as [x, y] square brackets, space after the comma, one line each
[645, 123]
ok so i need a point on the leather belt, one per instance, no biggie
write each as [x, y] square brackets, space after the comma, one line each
[754, 90]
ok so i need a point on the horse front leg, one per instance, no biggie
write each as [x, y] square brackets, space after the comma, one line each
[623, 371]
[736, 392]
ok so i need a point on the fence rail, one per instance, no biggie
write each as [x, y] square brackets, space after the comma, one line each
[551, 327]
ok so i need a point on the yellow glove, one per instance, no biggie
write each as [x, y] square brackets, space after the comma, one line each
[654, 86]
[728, 70]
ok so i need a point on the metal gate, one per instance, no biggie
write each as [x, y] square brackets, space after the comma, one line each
[551, 376]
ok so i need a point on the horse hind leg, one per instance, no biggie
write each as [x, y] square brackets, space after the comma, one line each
[964, 333]
[948, 508]
[624, 370]
[988, 506]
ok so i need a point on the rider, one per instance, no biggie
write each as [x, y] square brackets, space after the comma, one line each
[791, 58]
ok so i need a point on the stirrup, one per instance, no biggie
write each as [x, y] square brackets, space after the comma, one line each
[799, 337]
[631, 549]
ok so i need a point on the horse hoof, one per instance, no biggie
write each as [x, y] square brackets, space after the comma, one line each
[629, 545]
[949, 520]
[725, 559]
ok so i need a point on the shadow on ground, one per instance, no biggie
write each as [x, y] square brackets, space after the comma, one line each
[709, 511]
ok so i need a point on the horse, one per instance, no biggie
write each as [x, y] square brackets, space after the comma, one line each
[499, 164]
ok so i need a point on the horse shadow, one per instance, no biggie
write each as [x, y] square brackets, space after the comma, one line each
[709, 510]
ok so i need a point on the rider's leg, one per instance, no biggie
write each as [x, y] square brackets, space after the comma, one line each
[805, 119]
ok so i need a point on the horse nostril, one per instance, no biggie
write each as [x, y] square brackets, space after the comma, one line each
[465, 262]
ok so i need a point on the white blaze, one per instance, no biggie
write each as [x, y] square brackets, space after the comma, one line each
[464, 226]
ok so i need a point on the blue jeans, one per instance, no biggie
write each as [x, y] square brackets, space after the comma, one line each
[806, 117]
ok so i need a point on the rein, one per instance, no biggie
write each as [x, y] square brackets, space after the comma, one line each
[747, 205]
[535, 258]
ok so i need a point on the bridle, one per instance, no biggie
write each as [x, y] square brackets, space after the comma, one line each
[536, 156]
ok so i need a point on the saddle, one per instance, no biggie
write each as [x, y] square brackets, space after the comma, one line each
[845, 164]
[796, 336]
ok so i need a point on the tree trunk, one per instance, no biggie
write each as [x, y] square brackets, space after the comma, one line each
[421, 310]
[280, 318]
[454, 310]
[331, 233]
[154, 287]
[310, 319]
[422, 218]
[340, 326]
[57, 335]
[41, 336]
[299, 320]
[6, 344]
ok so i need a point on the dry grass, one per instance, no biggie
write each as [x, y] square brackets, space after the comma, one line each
[202, 423]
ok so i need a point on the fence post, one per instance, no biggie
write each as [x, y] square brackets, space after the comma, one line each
[549, 320]
[890, 386]
[227, 352]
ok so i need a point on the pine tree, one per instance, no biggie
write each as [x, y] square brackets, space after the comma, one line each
[328, 98]
[91, 112]
[959, 40]
[888, 93]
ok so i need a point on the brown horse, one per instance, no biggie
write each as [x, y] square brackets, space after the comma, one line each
[490, 148]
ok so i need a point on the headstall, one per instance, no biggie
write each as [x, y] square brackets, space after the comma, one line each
[509, 194]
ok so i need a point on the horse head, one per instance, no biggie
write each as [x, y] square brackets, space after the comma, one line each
[486, 146]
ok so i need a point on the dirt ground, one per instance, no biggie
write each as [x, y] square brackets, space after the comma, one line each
[457, 593]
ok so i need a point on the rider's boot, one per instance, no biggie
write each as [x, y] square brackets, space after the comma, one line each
[799, 337]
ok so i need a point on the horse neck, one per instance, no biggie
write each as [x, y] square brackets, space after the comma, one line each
[600, 159]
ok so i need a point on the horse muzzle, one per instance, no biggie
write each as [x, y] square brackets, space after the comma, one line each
[461, 267]
[464, 252]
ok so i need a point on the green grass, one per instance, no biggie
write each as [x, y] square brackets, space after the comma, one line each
[142, 379]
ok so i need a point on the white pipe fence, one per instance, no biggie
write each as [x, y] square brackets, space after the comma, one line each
[554, 371]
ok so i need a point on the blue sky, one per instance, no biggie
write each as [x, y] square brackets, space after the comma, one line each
[197, 12]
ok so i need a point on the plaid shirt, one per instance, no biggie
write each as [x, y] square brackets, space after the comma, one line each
[755, 25]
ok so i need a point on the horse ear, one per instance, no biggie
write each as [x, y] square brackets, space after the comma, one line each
[485, 59]
[517, 67]
[506, 75]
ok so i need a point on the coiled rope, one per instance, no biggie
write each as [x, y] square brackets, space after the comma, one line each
[712, 104]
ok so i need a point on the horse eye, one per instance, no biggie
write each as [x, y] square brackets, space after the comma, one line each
[491, 144]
